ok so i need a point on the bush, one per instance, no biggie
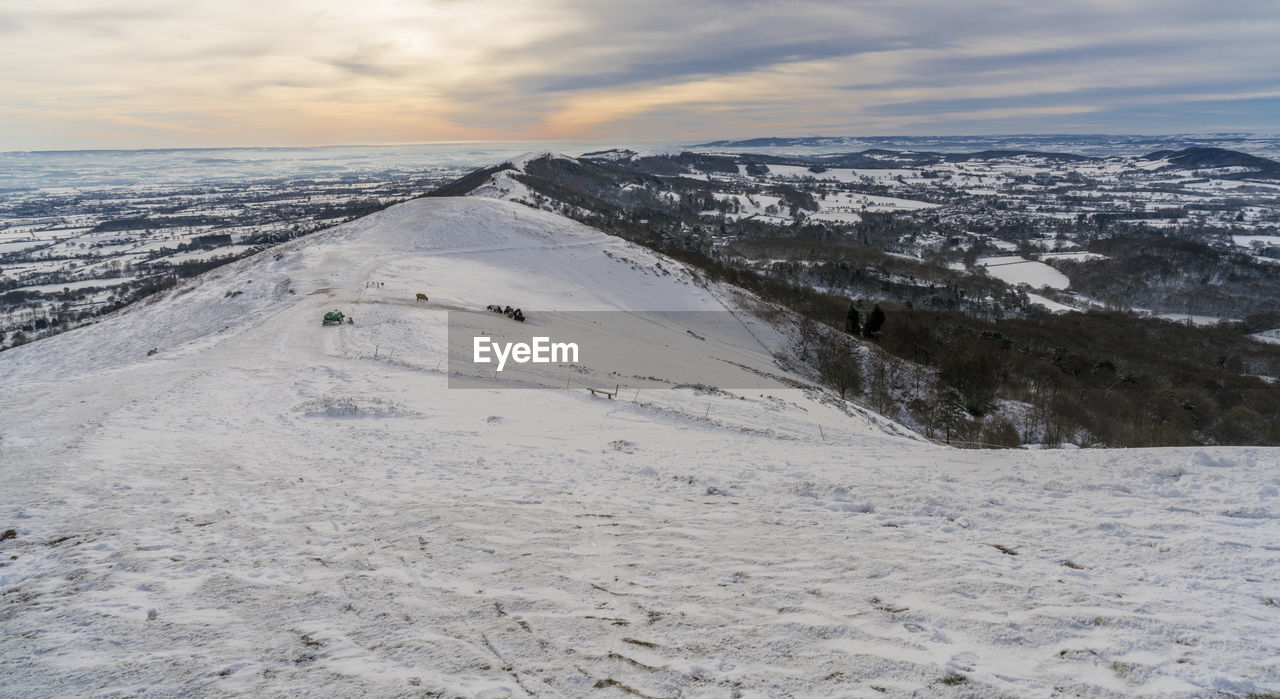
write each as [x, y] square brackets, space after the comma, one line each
[1000, 434]
[839, 367]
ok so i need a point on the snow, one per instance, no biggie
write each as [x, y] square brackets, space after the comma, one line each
[520, 162]
[613, 154]
[837, 216]
[1016, 270]
[79, 284]
[502, 186]
[885, 174]
[268, 506]
[660, 152]
[1049, 303]
[1192, 319]
[8, 246]
[754, 206]
[872, 202]
[802, 172]
[1246, 241]
[195, 255]
[1079, 256]
[1050, 244]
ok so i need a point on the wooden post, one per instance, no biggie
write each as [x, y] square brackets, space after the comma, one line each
[820, 432]
[707, 416]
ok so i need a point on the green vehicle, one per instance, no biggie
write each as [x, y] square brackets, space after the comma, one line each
[333, 317]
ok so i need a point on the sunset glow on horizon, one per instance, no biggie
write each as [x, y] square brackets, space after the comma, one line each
[148, 73]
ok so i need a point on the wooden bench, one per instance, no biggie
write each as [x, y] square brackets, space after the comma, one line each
[604, 392]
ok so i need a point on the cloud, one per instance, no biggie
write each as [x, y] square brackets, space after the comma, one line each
[371, 61]
[706, 59]
[232, 72]
[1104, 96]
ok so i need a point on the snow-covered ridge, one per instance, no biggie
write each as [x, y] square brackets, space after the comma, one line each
[503, 185]
[443, 235]
[267, 506]
[660, 152]
[520, 162]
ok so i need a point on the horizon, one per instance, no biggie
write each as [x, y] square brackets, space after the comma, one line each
[691, 144]
[143, 74]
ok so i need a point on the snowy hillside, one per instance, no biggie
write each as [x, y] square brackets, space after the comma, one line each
[211, 493]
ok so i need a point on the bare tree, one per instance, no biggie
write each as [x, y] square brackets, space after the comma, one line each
[839, 367]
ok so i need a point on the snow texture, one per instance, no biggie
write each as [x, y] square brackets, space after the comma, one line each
[1015, 270]
[264, 505]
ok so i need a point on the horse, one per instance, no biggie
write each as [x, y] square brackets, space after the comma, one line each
[422, 297]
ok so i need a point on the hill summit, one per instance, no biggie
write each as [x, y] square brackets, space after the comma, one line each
[211, 492]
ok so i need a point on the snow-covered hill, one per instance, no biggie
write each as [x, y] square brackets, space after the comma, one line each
[265, 505]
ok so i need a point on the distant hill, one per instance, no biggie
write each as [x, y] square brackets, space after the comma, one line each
[1208, 158]
[776, 142]
[875, 157]
[998, 154]
[1098, 145]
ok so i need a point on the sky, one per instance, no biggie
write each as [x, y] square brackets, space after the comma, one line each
[77, 74]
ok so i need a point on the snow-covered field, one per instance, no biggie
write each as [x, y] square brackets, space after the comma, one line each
[81, 284]
[1049, 303]
[1196, 319]
[1245, 241]
[1079, 256]
[1015, 270]
[264, 505]
[871, 202]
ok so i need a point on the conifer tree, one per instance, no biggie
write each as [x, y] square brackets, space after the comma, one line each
[853, 321]
[875, 321]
